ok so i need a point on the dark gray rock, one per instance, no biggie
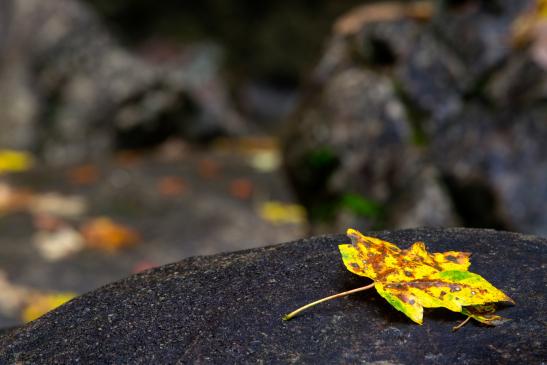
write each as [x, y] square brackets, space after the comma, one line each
[435, 123]
[227, 309]
[498, 159]
[70, 91]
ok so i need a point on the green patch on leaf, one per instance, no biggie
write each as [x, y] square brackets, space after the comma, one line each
[394, 301]
[457, 275]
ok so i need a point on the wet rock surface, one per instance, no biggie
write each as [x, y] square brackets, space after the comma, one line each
[410, 115]
[227, 309]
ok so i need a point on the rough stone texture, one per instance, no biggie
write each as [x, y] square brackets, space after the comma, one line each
[438, 122]
[68, 90]
[227, 309]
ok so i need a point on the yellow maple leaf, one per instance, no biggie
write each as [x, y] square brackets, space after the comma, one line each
[412, 279]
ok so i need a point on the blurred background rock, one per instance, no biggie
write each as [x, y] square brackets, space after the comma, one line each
[426, 114]
[136, 133]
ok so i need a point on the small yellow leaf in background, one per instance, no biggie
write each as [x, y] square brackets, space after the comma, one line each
[58, 244]
[42, 303]
[282, 213]
[14, 161]
[68, 206]
[266, 161]
[104, 234]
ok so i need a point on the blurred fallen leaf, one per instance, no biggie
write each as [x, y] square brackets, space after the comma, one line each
[13, 199]
[128, 158]
[57, 204]
[247, 144]
[59, 244]
[351, 22]
[530, 29]
[171, 186]
[280, 213]
[47, 222]
[143, 266]
[173, 150]
[104, 234]
[524, 27]
[84, 175]
[241, 188]
[13, 296]
[28, 303]
[263, 153]
[14, 161]
[40, 304]
[266, 161]
[208, 168]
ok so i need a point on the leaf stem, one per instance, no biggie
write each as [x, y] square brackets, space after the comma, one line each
[295, 312]
[461, 324]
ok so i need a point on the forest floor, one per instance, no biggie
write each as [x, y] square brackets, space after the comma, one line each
[66, 231]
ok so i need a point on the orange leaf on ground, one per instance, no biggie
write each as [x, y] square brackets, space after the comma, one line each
[128, 158]
[208, 169]
[241, 188]
[171, 186]
[104, 234]
[143, 266]
[84, 175]
[13, 199]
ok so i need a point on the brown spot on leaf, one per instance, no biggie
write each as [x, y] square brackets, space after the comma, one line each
[451, 258]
